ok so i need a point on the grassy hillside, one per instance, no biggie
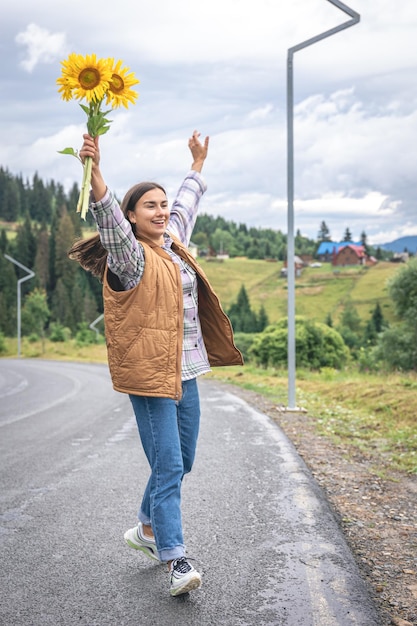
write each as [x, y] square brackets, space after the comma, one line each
[319, 291]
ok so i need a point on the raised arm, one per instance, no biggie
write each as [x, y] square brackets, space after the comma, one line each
[198, 150]
[185, 206]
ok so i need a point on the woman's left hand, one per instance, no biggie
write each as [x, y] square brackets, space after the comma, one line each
[198, 150]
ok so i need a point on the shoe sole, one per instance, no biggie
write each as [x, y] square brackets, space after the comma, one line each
[190, 585]
[147, 551]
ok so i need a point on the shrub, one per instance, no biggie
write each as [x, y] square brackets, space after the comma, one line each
[59, 333]
[368, 360]
[85, 336]
[3, 347]
[316, 346]
[397, 348]
[244, 342]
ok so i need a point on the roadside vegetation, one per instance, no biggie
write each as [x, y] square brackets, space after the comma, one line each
[356, 328]
[365, 411]
[368, 411]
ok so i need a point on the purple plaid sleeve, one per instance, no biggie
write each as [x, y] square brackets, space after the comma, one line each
[184, 210]
[126, 258]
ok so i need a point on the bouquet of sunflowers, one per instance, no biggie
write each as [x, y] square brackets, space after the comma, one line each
[98, 82]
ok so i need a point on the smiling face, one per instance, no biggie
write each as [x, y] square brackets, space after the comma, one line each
[151, 215]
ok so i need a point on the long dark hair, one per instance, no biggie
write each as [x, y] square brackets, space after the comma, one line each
[90, 253]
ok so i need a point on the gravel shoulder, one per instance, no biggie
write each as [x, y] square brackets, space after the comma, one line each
[377, 511]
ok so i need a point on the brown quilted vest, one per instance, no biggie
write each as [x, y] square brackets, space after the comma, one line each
[144, 326]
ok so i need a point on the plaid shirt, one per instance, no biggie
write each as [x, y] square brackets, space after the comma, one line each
[126, 260]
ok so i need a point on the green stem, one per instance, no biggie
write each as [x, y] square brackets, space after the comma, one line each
[86, 186]
[83, 200]
[80, 197]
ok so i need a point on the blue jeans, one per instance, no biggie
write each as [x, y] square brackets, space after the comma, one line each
[168, 431]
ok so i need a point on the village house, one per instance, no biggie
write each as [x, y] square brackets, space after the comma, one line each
[350, 255]
[344, 253]
[327, 249]
[298, 266]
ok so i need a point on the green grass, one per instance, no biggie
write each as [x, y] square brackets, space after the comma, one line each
[319, 291]
[374, 414]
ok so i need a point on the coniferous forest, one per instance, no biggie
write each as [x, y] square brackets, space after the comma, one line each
[39, 223]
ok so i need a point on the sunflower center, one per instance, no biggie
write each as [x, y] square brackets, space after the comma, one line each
[89, 78]
[117, 84]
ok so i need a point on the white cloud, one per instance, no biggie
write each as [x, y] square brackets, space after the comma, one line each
[261, 113]
[41, 46]
[223, 72]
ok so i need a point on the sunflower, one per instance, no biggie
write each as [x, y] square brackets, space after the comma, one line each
[65, 88]
[85, 77]
[91, 79]
[119, 92]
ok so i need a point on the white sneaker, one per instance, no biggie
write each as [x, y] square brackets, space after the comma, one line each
[184, 577]
[135, 538]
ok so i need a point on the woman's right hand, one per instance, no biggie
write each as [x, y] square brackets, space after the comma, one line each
[90, 148]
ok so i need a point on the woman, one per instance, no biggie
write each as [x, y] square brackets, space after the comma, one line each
[164, 327]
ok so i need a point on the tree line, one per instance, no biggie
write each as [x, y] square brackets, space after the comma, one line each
[374, 346]
[39, 225]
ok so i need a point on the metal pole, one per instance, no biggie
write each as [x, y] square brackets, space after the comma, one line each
[355, 17]
[96, 321]
[19, 306]
[290, 236]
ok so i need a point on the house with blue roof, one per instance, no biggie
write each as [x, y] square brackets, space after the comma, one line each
[328, 249]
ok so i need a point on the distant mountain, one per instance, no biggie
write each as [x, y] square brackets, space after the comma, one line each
[399, 245]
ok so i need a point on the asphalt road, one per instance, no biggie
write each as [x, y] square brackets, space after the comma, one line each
[72, 469]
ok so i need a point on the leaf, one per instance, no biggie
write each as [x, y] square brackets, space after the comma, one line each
[69, 151]
[97, 125]
[103, 130]
[85, 108]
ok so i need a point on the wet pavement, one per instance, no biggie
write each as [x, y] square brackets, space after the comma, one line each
[257, 525]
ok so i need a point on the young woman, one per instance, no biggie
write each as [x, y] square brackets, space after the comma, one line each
[164, 328]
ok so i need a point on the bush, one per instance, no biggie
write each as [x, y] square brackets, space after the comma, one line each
[3, 347]
[85, 336]
[397, 348]
[59, 333]
[244, 342]
[368, 360]
[316, 346]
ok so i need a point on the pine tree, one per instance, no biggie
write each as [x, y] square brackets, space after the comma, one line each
[8, 297]
[364, 241]
[378, 318]
[41, 266]
[4, 244]
[40, 201]
[242, 317]
[24, 245]
[329, 320]
[67, 300]
[348, 235]
[324, 233]
[263, 320]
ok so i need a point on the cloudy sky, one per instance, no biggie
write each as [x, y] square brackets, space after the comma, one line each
[220, 67]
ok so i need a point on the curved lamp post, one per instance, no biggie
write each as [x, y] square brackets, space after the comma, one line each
[355, 17]
[30, 274]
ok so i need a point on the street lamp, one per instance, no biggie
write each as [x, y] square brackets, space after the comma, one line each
[355, 17]
[19, 282]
